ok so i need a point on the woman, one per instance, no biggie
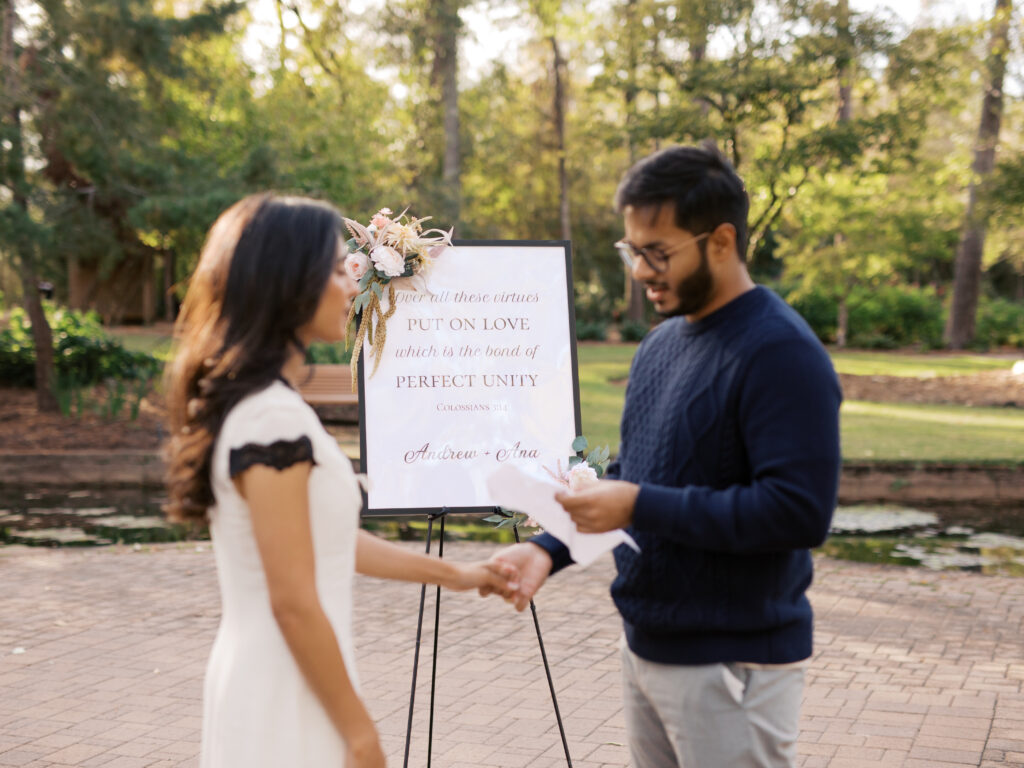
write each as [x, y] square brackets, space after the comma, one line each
[248, 455]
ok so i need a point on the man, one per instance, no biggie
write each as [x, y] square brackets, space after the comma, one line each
[726, 476]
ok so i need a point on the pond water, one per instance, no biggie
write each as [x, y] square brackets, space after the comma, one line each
[983, 539]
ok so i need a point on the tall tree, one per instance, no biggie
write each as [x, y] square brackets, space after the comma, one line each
[445, 25]
[967, 277]
[424, 36]
[548, 13]
[22, 234]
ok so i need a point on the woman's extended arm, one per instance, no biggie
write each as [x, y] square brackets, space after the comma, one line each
[279, 502]
[376, 557]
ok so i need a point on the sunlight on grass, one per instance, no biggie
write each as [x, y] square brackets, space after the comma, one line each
[931, 432]
[917, 366]
[939, 414]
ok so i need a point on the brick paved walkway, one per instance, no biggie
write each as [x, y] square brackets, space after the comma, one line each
[102, 655]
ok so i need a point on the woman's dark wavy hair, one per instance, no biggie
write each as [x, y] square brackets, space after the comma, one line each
[700, 181]
[260, 277]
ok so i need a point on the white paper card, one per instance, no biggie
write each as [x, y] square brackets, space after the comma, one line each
[513, 488]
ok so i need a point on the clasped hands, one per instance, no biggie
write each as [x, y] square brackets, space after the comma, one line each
[603, 506]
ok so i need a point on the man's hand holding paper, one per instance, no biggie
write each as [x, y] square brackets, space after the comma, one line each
[545, 501]
[603, 506]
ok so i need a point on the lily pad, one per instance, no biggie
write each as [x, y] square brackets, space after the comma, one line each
[49, 537]
[880, 519]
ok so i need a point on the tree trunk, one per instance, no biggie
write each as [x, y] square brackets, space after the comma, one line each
[843, 324]
[634, 288]
[844, 62]
[698, 52]
[559, 112]
[169, 260]
[15, 178]
[967, 270]
[445, 74]
[282, 46]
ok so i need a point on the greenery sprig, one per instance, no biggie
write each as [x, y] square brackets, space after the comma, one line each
[595, 460]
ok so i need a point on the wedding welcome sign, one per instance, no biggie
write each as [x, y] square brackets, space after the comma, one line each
[478, 371]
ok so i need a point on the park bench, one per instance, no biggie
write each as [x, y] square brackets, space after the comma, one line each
[328, 388]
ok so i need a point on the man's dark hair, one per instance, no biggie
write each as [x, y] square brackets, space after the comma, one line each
[700, 181]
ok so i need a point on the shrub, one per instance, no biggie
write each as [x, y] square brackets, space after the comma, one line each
[322, 353]
[884, 317]
[1000, 323]
[819, 310]
[891, 316]
[83, 352]
[593, 330]
[633, 330]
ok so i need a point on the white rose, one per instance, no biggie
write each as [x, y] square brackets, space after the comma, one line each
[387, 260]
[356, 264]
[581, 475]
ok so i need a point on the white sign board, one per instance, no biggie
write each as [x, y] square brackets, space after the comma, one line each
[477, 372]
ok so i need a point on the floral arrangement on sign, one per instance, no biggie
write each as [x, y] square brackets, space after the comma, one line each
[582, 470]
[389, 248]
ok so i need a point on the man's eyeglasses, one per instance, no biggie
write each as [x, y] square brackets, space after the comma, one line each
[656, 258]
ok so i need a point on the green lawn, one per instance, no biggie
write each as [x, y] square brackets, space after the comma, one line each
[931, 432]
[869, 430]
[919, 366]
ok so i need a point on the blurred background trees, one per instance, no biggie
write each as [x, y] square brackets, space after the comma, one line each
[128, 125]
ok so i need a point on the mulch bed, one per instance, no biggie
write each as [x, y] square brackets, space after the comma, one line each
[23, 429]
[987, 388]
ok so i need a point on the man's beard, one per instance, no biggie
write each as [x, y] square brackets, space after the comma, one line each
[694, 292]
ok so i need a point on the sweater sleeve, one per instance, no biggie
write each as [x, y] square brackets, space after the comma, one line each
[789, 419]
[560, 557]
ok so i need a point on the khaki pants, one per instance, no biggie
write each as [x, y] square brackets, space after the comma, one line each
[710, 716]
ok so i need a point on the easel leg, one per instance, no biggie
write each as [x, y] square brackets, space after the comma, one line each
[433, 668]
[416, 652]
[547, 671]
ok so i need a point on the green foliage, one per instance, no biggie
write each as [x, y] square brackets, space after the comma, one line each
[593, 330]
[892, 316]
[84, 353]
[885, 317]
[1001, 323]
[819, 310]
[330, 354]
[633, 330]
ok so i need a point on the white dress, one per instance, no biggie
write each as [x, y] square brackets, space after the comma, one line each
[258, 710]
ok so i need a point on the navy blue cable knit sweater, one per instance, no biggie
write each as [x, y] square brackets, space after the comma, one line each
[731, 429]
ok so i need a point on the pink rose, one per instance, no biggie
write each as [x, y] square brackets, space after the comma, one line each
[382, 218]
[387, 260]
[356, 264]
[581, 476]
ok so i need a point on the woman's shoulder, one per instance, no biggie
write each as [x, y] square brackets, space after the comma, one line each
[277, 407]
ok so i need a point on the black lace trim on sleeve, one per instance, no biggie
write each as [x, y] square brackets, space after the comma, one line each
[280, 454]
